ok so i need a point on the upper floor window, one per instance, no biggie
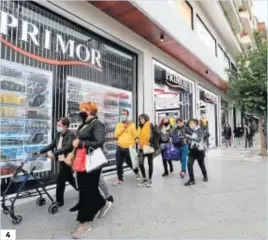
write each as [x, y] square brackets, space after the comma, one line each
[205, 35]
[223, 56]
[233, 67]
[186, 12]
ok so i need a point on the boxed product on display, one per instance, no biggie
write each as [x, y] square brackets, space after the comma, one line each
[110, 101]
[26, 110]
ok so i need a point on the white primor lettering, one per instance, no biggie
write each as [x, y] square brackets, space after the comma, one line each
[30, 32]
[176, 79]
[26, 31]
[86, 51]
[7, 21]
[47, 39]
[210, 96]
[64, 47]
[95, 57]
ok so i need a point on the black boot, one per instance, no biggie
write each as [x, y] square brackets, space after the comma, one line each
[205, 179]
[165, 174]
[189, 183]
[110, 198]
[74, 208]
[59, 204]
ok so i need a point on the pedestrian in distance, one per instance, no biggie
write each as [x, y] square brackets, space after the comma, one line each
[165, 130]
[227, 133]
[204, 125]
[126, 135]
[249, 134]
[196, 151]
[60, 147]
[238, 133]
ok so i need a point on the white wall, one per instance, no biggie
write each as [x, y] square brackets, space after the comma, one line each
[97, 21]
[174, 25]
[214, 29]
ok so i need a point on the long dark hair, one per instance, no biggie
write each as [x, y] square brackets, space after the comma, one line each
[162, 122]
[145, 117]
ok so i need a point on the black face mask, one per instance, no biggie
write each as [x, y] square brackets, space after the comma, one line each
[83, 116]
[166, 124]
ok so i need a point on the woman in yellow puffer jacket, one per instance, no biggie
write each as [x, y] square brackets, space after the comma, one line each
[146, 150]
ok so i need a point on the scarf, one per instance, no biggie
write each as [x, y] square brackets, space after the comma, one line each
[165, 129]
[144, 134]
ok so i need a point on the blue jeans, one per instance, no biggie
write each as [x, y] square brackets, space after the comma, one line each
[184, 156]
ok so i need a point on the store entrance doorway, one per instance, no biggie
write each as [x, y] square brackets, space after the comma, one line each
[172, 115]
[209, 111]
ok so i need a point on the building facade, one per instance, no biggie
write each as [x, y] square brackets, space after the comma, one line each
[164, 59]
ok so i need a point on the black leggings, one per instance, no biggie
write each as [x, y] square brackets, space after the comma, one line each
[150, 164]
[90, 199]
[200, 157]
[166, 163]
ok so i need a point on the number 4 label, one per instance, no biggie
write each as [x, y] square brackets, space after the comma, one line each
[8, 234]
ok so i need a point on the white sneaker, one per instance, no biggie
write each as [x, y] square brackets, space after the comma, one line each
[143, 183]
[138, 177]
[149, 183]
[104, 209]
[81, 230]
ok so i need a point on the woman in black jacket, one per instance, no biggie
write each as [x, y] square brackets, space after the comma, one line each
[91, 134]
[196, 151]
[165, 130]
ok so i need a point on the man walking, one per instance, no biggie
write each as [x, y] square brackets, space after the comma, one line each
[238, 133]
[126, 134]
[227, 132]
[60, 148]
[248, 136]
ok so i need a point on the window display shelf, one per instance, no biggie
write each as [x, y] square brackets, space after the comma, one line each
[26, 103]
[110, 101]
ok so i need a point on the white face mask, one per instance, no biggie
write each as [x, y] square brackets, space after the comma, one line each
[59, 129]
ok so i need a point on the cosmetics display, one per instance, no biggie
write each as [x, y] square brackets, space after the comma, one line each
[110, 100]
[26, 110]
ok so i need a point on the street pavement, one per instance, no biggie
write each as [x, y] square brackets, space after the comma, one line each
[231, 205]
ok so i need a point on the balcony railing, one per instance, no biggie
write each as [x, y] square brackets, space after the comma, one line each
[247, 21]
[246, 41]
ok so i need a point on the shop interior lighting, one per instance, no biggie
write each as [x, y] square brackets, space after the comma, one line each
[162, 37]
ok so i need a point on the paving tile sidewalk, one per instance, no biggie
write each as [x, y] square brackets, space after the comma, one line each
[231, 205]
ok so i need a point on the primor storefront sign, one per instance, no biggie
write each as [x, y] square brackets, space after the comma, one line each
[176, 81]
[207, 97]
[29, 32]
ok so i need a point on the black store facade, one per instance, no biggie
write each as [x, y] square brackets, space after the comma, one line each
[48, 66]
[208, 107]
[173, 94]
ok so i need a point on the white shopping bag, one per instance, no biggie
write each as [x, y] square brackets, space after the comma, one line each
[148, 150]
[95, 160]
[134, 157]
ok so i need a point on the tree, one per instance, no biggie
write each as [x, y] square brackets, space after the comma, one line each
[248, 84]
